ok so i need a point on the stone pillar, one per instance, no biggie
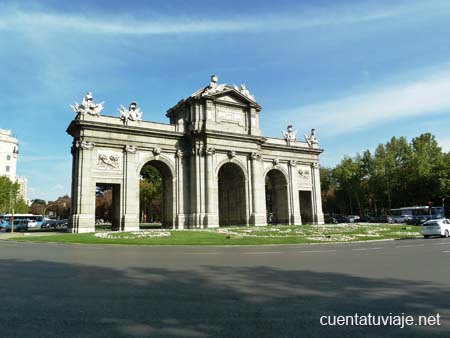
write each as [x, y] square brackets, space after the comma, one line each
[197, 193]
[258, 216]
[83, 188]
[180, 220]
[316, 194]
[212, 213]
[130, 191]
[295, 217]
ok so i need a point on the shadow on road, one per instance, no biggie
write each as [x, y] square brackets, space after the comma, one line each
[46, 299]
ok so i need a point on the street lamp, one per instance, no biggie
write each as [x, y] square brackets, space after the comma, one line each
[53, 204]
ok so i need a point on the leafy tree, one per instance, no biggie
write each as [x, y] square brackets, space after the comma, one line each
[9, 194]
[398, 174]
[21, 207]
[37, 206]
[150, 194]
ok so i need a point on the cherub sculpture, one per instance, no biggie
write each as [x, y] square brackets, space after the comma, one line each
[88, 106]
[131, 114]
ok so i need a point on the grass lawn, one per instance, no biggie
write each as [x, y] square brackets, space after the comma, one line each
[281, 234]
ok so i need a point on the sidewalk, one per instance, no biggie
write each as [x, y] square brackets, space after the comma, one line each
[8, 235]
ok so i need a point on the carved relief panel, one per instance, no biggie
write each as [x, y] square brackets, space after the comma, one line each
[304, 176]
[109, 160]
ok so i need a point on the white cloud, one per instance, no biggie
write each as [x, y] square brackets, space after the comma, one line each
[18, 19]
[444, 143]
[428, 95]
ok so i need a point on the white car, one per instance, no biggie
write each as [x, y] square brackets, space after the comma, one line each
[436, 227]
[32, 223]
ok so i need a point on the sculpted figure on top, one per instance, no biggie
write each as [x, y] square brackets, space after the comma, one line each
[311, 139]
[131, 114]
[289, 135]
[244, 91]
[214, 87]
[88, 106]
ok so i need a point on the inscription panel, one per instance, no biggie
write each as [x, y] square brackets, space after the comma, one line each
[230, 114]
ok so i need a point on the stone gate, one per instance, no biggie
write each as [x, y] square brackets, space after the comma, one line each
[217, 167]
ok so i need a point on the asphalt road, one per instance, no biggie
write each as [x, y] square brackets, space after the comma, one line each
[56, 290]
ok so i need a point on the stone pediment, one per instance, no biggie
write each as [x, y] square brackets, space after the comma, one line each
[233, 96]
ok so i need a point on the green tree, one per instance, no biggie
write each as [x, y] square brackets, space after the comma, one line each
[21, 207]
[398, 174]
[9, 194]
[150, 194]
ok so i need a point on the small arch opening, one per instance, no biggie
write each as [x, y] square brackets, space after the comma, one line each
[276, 198]
[156, 195]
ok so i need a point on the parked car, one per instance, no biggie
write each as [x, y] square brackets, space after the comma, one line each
[32, 223]
[348, 219]
[436, 227]
[401, 219]
[62, 223]
[18, 225]
[384, 219]
[417, 220]
[331, 220]
[49, 223]
[366, 219]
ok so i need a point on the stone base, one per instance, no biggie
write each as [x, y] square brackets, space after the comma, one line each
[181, 222]
[80, 230]
[130, 222]
[258, 220]
[296, 219]
[211, 221]
[319, 219]
[81, 223]
[131, 228]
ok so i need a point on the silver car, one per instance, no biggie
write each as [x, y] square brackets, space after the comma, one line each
[436, 227]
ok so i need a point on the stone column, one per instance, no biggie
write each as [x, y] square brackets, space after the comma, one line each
[316, 194]
[258, 215]
[130, 218]
[197, 194]
[180, 211]
[83, 188]
[295, 217]
[212, 214]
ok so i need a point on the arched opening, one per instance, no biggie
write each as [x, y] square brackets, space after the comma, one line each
[276, 198]
[107, 206]
[232, 201]
[156, 194]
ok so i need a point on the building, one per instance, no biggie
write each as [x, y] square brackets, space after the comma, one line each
[9, 152]
[217, 167]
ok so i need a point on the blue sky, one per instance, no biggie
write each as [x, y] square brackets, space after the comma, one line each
[359, 72]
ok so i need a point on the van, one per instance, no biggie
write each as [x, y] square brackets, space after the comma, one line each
[18, 225]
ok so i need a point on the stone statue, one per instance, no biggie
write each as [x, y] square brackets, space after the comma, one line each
[289, 135]
[311, 139]
[244, 91]
[214, 87]
[88, 106]
[131, 114]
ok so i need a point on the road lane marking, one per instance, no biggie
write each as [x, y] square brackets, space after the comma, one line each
[445, 251]
[409, 246]
[200, 253]
[363, 249]
[442, 243]
[261, 252]
[314, 251]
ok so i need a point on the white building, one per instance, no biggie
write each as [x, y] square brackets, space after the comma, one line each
[9, 152]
